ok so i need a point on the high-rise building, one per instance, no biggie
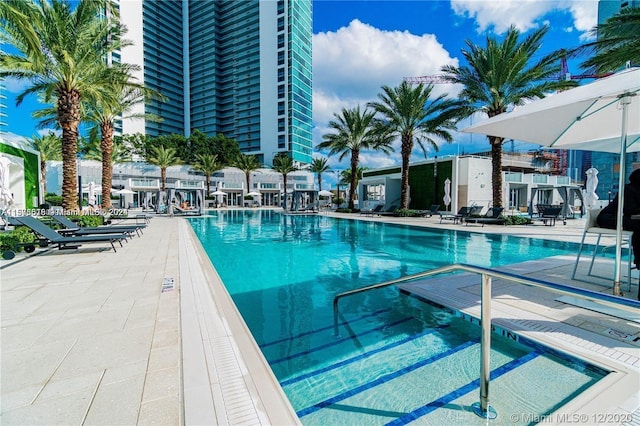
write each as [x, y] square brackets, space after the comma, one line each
[237, 67]
[608, 163]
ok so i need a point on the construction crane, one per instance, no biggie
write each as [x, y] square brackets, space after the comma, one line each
[428, 79]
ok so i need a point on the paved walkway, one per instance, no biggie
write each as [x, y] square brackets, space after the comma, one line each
[93, 337]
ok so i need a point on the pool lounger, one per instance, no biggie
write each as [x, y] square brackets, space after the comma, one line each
[68, 242]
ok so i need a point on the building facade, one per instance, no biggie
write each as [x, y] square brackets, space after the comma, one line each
[142, 183]
[237, 67]
[526, 183]
[607, 163]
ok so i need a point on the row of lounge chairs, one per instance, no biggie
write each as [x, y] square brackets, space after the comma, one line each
[71, 236]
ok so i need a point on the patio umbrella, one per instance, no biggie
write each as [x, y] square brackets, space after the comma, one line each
[592, 183]
[599, 116]
[254, 194]
[218, 192]
[6, 197]
[325, 193]
[447, 193]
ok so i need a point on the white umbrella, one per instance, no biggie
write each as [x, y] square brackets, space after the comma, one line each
[591, 197]
[6, 197]
[325, 193]
[600, 116]
[218, 192]
[254, 194]
[447, 193]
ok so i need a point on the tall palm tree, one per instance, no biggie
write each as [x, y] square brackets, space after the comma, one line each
[163, 158]
[501, 75]
[319, 166]
[117, 100]
[284, 165]
[409, 113]
[354, 131]
[50, 148]
[207, 164]
[346, 177]
[247, 163]
[59, 48]
[618, 42]
[90, 149]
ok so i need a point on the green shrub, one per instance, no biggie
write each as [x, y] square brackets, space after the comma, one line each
[343, 210]
[53, 199]
[87, 220]
[406, 213]
[19, 235]
[517, 220]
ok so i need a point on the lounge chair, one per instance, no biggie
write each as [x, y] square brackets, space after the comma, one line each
[180, 210]
[428, 213]
[73, 228]
[462, 214]
[492, 217]
[376, 210]
[391, 211]
[68, 242]
[549, 214]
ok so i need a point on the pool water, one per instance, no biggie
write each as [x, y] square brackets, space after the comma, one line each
[397, 359]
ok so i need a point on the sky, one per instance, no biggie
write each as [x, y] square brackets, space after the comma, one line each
[361, 45]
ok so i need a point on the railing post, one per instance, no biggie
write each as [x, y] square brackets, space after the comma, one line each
[482, 408]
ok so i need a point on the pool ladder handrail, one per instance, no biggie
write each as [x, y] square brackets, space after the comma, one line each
[482, 408]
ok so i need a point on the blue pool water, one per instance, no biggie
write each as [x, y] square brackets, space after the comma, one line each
[398, 359]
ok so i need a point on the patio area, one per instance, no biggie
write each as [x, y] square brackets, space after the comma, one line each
[148, 335]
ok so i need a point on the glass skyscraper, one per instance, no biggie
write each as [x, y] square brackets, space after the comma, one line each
[608, 163]
[237, 67]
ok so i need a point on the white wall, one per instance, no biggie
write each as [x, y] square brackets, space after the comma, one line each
[131, 16]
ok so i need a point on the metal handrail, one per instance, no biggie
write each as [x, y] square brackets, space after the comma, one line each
[482, 408]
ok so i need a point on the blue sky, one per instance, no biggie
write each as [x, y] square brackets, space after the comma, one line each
[359, 46]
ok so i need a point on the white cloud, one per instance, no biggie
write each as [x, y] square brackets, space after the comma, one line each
[501, 14]
[352, 64]
[525, 14]
[14, 85]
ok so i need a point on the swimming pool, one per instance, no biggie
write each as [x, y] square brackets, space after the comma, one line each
[400, 359]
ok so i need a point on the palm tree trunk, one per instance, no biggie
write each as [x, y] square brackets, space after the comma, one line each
[208, 183]
[163, 177]
[106, 145]
[355, 157]
[320, 181]
[69, 119]
[284, 202]
[496, 169]
[407, 147]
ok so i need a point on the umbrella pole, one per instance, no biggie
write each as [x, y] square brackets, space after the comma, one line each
[625, 100]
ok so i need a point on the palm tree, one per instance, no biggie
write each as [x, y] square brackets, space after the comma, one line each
[319, 166]
[408, 113]
[163, 158]
[116, 101]
[59, 50]
[50, 148]
[91, 150]
[618, 42]
[284, 165]
[502, 75]
[355, 131]
[247, 163]
[207, 164]
[345, 177]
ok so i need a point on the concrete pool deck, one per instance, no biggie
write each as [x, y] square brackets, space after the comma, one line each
[93, 336]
